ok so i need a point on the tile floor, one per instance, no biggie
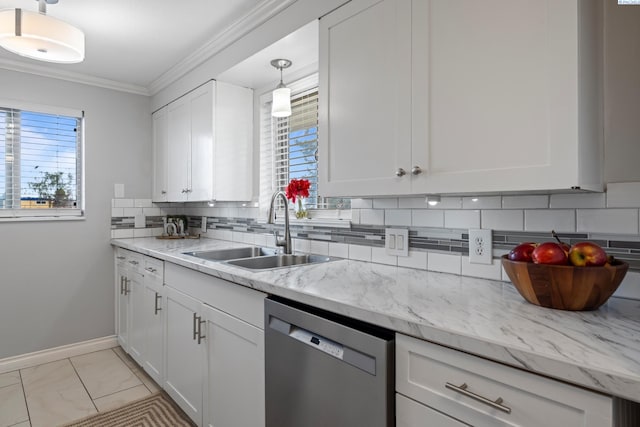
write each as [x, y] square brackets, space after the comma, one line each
[69, 389]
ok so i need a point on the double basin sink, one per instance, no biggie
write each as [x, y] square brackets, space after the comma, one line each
[253, 258]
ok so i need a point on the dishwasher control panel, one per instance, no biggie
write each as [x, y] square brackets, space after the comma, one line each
[321, 343]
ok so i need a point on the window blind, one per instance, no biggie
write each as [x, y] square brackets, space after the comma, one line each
[288, 150]
[40, 163]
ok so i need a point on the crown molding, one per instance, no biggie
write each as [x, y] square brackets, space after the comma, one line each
[43, 70]
[253, 19]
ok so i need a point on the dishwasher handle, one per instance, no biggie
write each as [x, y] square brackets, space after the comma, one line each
[318, 342]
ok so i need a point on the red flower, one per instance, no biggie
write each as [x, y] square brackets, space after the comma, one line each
[297, 188]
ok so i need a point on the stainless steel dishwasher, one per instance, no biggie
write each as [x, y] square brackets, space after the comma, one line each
[326, 370]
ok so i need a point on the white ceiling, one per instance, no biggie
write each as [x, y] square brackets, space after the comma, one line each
[135, 42]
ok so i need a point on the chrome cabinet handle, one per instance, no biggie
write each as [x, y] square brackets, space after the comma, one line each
[163, 192]
[134, 262]
[126, 286]
[400, 172]
[120, 257]
[184, 190]
[200, 336]
[195, 326]
[497, 404]
[156, 309]
[151, 269]
[121, 285]
[416, 170]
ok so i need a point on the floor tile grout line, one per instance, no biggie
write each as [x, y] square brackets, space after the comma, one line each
[83, 385]
[24, 394]
[120, 391]
[135, 372]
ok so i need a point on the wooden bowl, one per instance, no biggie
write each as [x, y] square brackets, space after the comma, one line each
[565, 287]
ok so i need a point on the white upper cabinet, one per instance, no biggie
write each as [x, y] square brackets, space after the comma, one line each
[504, 96]
[209, 153]
[233, 158]
[160, 155]
[365, 93]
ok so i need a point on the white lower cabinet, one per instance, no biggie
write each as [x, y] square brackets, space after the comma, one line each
[139, 313]
[185, 374]
[410, 413]
[235, 363]
[214, 349]
[153, 299]
[455, 389]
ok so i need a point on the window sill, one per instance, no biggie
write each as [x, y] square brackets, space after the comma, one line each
[41, 218]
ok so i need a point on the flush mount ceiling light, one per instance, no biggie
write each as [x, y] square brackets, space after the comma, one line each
[38, 36]
[281, 105]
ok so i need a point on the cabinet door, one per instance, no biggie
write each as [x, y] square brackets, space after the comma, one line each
[184, 375]
[122, 300]
[136, 317]
[233, 157]
[410, 413]
[201, 102]
[365, 93]
[179, 149]
[496, 88]
[160, 147]
[153, 318]
[235, 361]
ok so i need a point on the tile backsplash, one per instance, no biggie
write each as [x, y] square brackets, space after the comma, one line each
[438, 235]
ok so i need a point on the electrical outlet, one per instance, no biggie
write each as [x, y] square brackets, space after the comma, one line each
[480, 246]
[396, 241]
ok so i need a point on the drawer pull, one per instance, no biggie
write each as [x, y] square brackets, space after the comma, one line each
[497, 404]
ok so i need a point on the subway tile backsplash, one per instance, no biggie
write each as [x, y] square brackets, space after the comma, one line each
[438, 235]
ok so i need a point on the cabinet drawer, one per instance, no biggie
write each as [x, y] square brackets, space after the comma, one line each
[236, 300]
[455, 383]
[410, 413]
[154, 269]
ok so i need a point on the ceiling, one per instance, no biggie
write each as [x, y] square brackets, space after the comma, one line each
[133, 43]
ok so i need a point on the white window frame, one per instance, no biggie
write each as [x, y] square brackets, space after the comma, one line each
[332, 217]
[66, 214]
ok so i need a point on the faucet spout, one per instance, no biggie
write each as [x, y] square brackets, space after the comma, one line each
[286, 242]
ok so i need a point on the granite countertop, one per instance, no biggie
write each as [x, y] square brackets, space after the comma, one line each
[599, 350]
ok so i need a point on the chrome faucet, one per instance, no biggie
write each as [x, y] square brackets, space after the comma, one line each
[286, 242]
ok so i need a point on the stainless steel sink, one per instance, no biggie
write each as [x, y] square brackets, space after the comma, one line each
[234, 253]
[277, 261]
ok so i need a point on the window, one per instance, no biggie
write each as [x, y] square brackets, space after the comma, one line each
[289, 147]
[40, 162]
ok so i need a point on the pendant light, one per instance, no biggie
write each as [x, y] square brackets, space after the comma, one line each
[281, 104]
[38, 36]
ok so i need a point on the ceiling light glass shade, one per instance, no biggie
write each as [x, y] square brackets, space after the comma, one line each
[40, 37]
[281, 105]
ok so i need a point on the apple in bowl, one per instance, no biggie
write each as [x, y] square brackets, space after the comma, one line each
[522, 252]
[549, 253]
[587, 254]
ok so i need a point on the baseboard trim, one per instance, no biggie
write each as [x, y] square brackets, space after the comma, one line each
[52, 354]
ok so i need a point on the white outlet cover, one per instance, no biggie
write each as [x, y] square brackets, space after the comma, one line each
[480, 246]
[400, 239]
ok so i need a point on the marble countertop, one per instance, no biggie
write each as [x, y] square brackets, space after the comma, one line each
[599, 350]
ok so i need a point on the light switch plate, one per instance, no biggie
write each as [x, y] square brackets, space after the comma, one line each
[203, 224]
[118, 191]
[396, 241]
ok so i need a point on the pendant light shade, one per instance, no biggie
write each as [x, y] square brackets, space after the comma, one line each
[38, 36]
[281, 102]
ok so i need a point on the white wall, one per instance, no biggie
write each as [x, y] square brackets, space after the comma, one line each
[57, 284]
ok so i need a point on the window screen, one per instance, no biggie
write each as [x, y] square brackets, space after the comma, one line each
[40, 163]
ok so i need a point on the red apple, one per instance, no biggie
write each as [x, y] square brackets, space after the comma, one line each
[587, 254]
[522, 252]
[549, 253]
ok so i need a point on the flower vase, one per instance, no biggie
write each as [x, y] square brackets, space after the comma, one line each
[300, 207]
